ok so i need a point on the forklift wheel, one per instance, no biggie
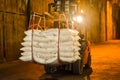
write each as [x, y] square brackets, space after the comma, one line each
[49, 69]
[88, 65]
[77, 67]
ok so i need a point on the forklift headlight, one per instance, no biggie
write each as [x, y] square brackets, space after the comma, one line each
[79, 19]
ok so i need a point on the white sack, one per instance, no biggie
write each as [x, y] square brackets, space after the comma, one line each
[69, 60]
[26, 53]
[35, 32]
[28, 44]
[69, 49]
[27, 49]
[69, 54]
[68, 32]
[45, 55]
[48, 39]
[69, 38]
[70, 43]
[26, 58]
[49, 32]
[54, 32]
[48, 44]
[41, 50]
[29, 38]
[52, 60]
[41, 39]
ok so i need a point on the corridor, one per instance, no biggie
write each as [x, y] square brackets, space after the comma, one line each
[105, 66]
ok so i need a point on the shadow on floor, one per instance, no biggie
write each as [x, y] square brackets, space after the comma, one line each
[67, 75]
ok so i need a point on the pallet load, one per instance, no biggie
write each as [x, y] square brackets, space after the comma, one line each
[51, 46]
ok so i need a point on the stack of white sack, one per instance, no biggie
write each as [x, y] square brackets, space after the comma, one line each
[45, 46]
[27, 44]
[69, 45]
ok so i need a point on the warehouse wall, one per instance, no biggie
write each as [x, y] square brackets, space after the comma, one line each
[101, 27]
[1, 38]
[92, 12]
[12, 24]
[116, 19]
[109, 21]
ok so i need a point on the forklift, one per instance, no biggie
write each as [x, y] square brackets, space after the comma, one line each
[67, 10]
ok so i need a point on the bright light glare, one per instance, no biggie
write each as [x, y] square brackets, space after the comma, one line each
[74, 19]
[81, 11]
[79, 19]
[72, 22]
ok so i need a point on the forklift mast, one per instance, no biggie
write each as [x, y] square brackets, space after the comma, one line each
[69, 7]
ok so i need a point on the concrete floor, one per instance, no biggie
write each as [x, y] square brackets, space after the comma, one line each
[106, 61]
[105, 65]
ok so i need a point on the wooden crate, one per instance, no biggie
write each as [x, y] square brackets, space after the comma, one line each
[1, 38]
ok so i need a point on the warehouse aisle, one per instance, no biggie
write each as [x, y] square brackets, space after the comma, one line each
[105, 65]
[106, 61]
